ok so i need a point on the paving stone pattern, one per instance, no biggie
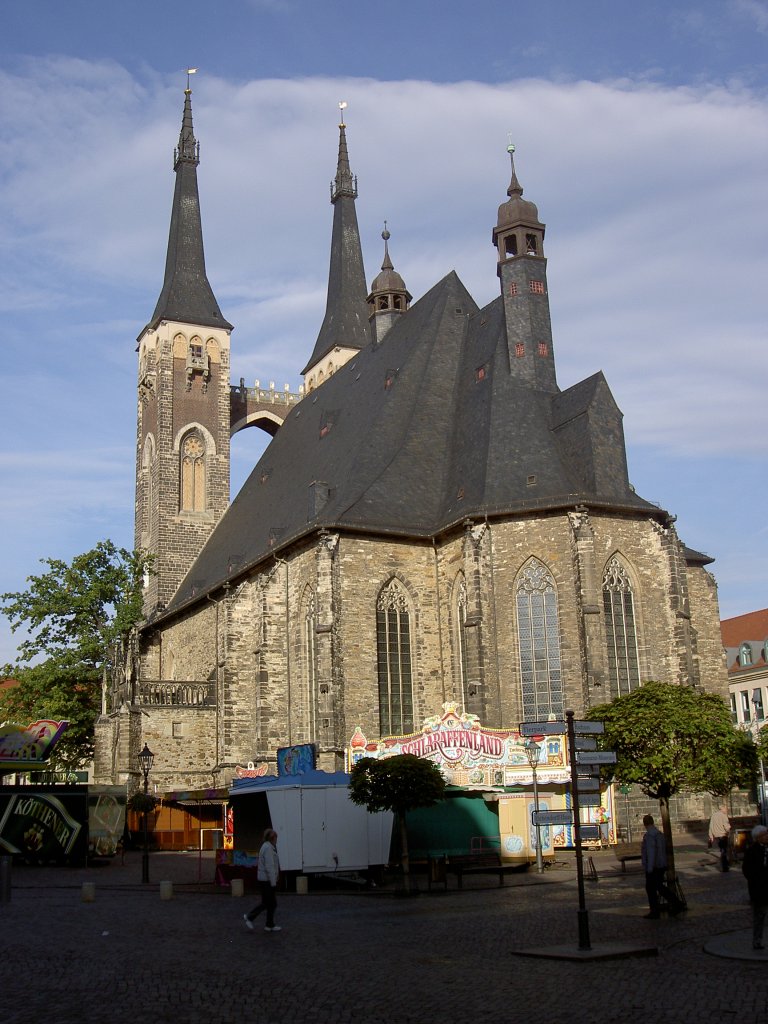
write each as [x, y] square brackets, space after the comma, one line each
[356, 957]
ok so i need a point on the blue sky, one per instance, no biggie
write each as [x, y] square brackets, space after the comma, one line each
[641, 133]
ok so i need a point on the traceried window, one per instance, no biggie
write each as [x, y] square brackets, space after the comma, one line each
[309, 664]
[393, 644]
[620, 629]
[538, 633]
[461, 643]
[192, 474]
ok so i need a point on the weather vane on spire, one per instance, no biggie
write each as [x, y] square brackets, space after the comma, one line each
[190, 71]
[342, 108]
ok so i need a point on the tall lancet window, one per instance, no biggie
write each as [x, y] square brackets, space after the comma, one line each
[309, 664]
[148, 494]
[538, 631]
[193, 473]
[620, 629]
[460, 618]
[393, 644]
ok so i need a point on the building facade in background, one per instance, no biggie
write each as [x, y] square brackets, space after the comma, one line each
[434, 520]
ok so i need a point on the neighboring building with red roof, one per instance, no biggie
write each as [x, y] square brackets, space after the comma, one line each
[745, 639]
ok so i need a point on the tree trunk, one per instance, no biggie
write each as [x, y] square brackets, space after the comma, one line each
[404, 859]
[666, 827]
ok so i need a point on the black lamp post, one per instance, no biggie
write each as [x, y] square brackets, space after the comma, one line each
[146, 757]
[532, 751]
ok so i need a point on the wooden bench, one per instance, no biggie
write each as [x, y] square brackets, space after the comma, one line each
[627, 851]
[487, 862]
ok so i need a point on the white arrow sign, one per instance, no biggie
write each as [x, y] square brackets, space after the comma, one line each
[552, 817]
[596, 757]
[543, 728]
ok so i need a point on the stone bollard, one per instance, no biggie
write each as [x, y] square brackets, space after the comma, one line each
[302, 886]
[88, 894]
[166, 890]
[237, 885]
[5, 879]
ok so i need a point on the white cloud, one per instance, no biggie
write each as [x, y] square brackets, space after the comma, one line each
[653, 197]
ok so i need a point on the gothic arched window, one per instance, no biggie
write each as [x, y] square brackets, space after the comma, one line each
[460, 618]
[393, 645]
[148, 495]
[192, 473]
[309, 664]
[538, 633]
[620, 629]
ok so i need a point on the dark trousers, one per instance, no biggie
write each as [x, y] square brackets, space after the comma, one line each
[758, 921]
[722, 842]
[655, 886]
[268, 903]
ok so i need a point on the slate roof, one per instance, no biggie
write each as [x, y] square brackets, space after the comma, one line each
[186, 295]
[415, 434]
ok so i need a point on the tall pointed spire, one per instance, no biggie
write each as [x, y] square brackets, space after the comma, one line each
[186, 295]
[345, 325]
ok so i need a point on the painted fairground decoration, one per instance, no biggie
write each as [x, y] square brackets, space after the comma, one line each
[296, 760]
[252, 771]
[25, 747]
[468, 754]
[41, 827]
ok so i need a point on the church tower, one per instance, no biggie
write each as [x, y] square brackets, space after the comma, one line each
[345, 329]
[522, 269]
[182, 450]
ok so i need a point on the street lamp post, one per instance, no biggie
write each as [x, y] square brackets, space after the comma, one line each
[757, 700]
[532, 751]
[146, 757]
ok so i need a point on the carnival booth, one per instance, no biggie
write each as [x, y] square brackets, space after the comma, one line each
[319, 828]
[495, 779]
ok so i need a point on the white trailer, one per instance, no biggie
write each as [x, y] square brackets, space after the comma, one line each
[318, 826]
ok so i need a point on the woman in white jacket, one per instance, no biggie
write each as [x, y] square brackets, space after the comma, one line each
[267, 875]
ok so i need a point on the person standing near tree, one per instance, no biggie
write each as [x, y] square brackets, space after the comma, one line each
[719, 830]
[755, 868]
[267, 876]
[654, 857]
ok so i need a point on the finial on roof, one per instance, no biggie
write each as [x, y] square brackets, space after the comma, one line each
[188, 149]
[387, 264]
[515, 188]
[345, 183]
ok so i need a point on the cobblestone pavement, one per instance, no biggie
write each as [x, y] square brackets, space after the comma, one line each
[367, 958]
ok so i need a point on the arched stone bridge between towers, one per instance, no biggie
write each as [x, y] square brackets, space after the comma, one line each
[260, 407]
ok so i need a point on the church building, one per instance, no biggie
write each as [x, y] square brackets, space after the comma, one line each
[433, 521]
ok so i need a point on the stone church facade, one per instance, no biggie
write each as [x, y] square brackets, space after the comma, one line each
[434, 520]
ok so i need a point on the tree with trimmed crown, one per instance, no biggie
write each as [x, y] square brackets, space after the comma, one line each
[76, 614]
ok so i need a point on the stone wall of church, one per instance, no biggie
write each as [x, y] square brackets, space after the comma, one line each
[252, 641]
[705, 621]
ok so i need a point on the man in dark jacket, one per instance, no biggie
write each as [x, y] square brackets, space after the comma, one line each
[755, 868]
[654, 857]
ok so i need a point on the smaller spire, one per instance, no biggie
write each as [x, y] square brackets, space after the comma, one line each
[188, 149]
[515, 188]
[345, 183]
[387, 264]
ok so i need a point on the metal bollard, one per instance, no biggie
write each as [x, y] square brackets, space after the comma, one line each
[166, 890]
[5, 879]
[237, 886]
[302, 885]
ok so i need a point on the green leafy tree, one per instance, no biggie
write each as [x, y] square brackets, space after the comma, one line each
[76, 614]
[398, 784]
[670, 739]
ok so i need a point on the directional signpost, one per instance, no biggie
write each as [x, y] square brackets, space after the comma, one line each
[585, 761]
